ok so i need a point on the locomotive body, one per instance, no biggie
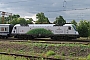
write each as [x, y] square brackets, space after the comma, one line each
[66, 31]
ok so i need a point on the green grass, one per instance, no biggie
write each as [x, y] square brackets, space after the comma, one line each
[57, 45]
[5, 57]
[88, 57]
[44, 46]
[50, 53]
[84, 38]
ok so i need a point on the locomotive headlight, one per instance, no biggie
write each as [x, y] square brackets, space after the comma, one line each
[76, 33]
[13, 31]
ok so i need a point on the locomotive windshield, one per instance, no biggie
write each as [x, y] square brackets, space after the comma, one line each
[74, 27]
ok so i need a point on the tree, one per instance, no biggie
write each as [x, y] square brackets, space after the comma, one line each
[74, 22]
[41, 19]
[83, 29]
[22, 21]
[14, 21]
[30, 21]
[10, 18]
[89, 28]
[59, 21]
[15, 16]
[18, 21]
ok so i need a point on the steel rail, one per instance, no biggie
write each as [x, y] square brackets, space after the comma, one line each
[27, 56]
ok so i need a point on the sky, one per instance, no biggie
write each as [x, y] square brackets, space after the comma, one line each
[69, 9]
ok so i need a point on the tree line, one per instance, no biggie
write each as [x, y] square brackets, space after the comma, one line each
[83, 27]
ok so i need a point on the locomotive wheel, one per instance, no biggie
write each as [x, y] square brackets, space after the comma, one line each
[2, 37]
[66, 38]
[28, 37]
[6, 37]
[53, 38]
[31, 37]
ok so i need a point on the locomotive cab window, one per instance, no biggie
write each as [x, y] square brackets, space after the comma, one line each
[14, 27]
[74, 27]
[69, 28]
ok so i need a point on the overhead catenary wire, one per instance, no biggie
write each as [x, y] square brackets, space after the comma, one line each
[59, 10]
[64, 4]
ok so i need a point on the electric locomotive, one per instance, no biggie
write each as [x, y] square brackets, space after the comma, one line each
[67, 31]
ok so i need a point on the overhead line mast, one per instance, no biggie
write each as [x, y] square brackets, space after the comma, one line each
[64, 5]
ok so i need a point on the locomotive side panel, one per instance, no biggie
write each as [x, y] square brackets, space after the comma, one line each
[53, 29]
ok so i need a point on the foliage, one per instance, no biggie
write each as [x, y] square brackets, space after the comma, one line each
[41, 19]
[29, 21]
[39, 31]
[59, 20]
[89, 28]
[63, 53]
[83, 29]
[10, 18]
[15, 16]
[74, 22]
[18, 21]
[22, 21]
[14, 21]
[88, 57]
[50, 53]
[5, 57]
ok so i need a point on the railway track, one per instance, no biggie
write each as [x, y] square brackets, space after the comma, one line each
[28, 56]
[48, 40]
[45, 40]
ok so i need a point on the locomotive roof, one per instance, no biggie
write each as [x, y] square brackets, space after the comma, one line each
[37, 24]
[67, 24]
[42, 25]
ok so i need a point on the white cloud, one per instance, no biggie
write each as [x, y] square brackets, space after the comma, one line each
[33, 17]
